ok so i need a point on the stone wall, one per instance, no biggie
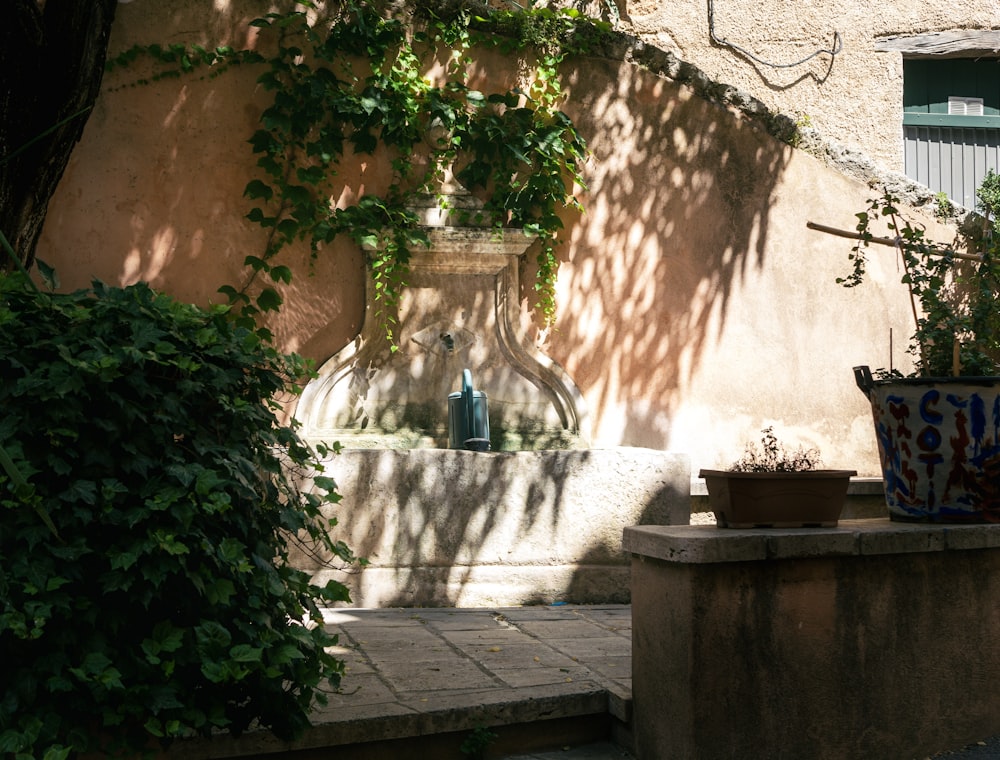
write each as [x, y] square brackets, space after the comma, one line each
[446, 527]
[854, 98]
[873, 639]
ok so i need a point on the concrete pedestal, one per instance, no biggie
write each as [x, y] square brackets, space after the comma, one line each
[873, 639]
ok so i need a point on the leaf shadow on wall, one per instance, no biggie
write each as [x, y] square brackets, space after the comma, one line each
[155, 190]
[680, 191]
[446, 528]
[429, 520]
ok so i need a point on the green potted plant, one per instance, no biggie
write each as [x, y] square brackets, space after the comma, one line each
[938, 429]
[772, 487]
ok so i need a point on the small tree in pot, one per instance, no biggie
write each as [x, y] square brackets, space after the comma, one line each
[938, 429]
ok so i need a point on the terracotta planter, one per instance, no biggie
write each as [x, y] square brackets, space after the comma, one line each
[939, 446]
[814, 498]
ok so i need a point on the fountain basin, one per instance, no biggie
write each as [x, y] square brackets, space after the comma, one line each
[444, 527]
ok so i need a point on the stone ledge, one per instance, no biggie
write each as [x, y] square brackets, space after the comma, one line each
[383, 722]
[705, 544]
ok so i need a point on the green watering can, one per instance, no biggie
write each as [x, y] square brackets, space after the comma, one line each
[468, 418]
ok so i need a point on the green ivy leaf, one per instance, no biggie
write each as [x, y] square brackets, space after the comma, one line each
[258, 190]
[81, 490]
[246, 653]
[256, 263]
[269, 300]
[281, 274]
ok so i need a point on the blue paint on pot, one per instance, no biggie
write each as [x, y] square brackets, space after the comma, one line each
[927, 402]
[940, 461]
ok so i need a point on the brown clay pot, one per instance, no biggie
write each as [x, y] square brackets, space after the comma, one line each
[813, 498]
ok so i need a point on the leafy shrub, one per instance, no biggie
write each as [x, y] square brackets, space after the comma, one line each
[147, 503]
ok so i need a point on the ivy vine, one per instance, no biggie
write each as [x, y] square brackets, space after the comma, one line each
[356, 85]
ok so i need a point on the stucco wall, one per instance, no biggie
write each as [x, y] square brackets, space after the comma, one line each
[695, 306]
[855, 97]
[698, 306]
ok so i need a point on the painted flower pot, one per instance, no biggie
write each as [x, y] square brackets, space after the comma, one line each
[939, 446]
[813, 498]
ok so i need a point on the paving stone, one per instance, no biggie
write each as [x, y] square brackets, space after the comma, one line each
[363, 689]
[365, 723]
[596, 646]
[525, 677]
[412, 673]
[518, 614]
[346, 713]
[354, 663]
[406, 652]
[612, 667]
[424, 676]
[462, 638]
[518, 656]
[380, 617]
[561, 629]
[616, 611]
[461, 620]
[617, 620]
[425, 700]
[413, 629]
[396, 645]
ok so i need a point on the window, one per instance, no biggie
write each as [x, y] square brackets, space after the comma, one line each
[951, 141]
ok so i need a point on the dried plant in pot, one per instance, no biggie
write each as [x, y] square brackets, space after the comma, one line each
[772, 487]
[938, 429]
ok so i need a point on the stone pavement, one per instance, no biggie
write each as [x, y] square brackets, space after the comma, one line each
[548, 682]
[420, 682]
[456, 669]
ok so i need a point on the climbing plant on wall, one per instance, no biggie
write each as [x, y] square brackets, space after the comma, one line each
[356, 84]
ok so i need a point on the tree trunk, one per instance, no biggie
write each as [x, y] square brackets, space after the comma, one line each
[52, 55]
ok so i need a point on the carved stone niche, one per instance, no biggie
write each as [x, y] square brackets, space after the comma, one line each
[460, 309]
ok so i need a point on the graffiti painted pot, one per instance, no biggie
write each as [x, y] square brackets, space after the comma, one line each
[939, 445]
[813, 498]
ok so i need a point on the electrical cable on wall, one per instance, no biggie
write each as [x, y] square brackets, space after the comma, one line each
[832, 52]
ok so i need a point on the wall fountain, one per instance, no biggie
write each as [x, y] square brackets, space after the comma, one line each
[539, 518]
[461, 309]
